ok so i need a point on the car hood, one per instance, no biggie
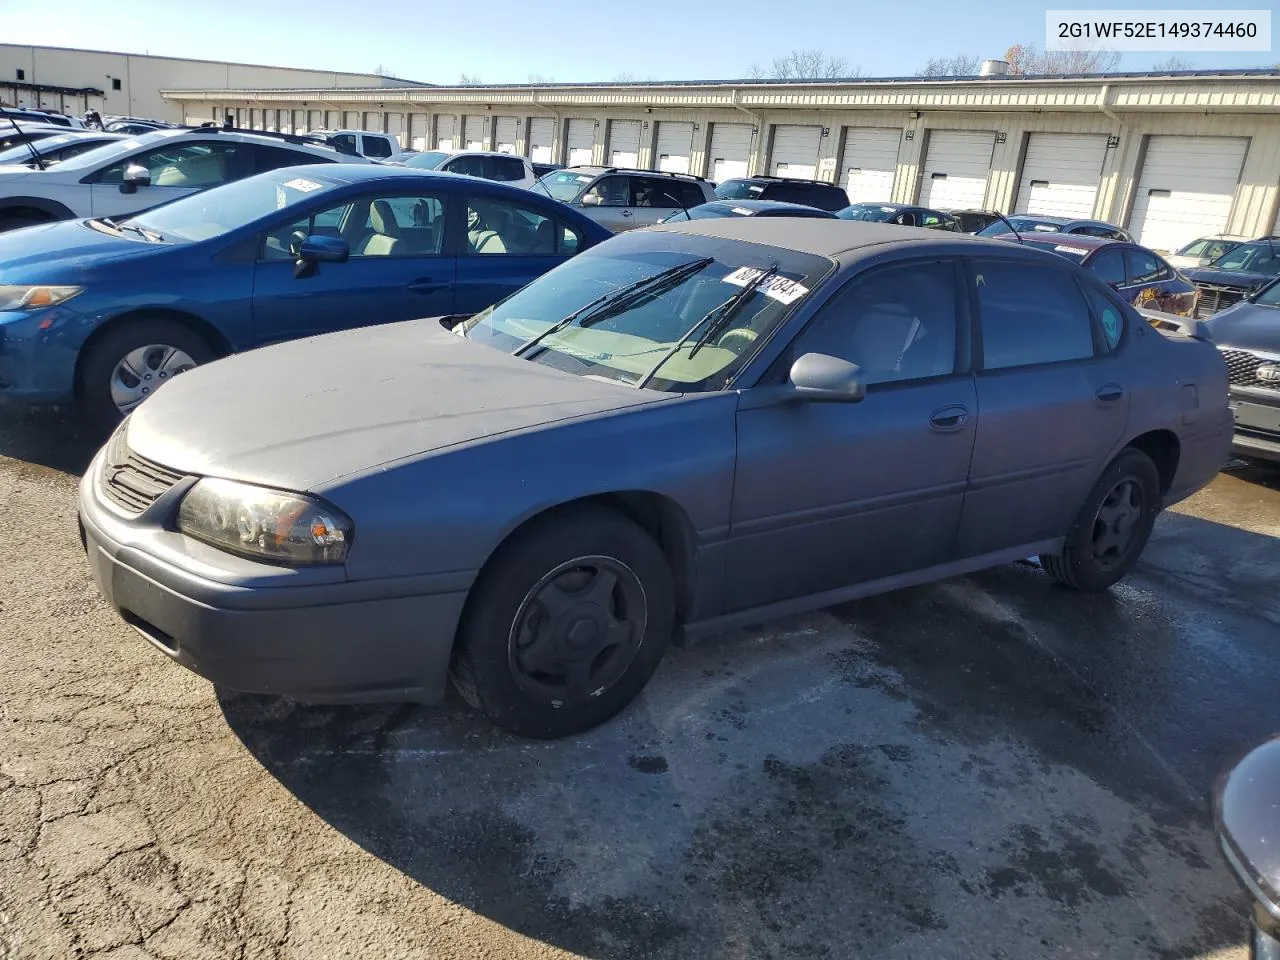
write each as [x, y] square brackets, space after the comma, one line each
[45, 252]
[1248, 326]
[1225, 278]
[300, 414]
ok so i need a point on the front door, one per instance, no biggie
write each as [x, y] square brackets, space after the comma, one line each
[608, 202]
[399, 267]
[1054, 399]
[832, 494]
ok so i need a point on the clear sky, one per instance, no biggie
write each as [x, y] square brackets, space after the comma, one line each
[505, 41]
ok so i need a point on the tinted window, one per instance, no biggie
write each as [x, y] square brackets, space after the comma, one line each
[1109, 315]
[345, 141]
[898, 323]
[739, 190]
[273, 158]
[506, 168]
[611, 191]
[390, 226]
[1108, 266]
[1146, 267]
[1098, 230]
[471, 166]
[498, 226]
[664, 192]
[690, 194]
[1030, 314]
[186, 164]
[1216, 248]
[379, 147]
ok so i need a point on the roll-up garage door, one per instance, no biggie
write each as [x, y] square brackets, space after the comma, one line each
[505, 137]
[445, 131]
[542, 133]
[419, 129]
[675, 145]
[870, 163]
[956, 169]
[730, 151]
[580, 142]
[473, 133]
[333, 119]
[395, 128]
[270, 119]
[1186, 189]
[1060, 174]
[351, 120]
[624, 143]
[315, 119]
[795, 151]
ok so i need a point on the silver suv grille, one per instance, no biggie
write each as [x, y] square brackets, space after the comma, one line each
[1243, 367]
[131, 481]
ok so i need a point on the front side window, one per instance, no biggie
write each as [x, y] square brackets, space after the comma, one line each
[187, 164]
[610, 191]
[1108, 266]
[898, 323]
[377, 147]
[379, 226]
[344, 141]
[498, 226]
[565, 185]
[1146, 267]
[1030, 314]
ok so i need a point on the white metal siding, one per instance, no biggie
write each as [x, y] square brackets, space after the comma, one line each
[795, 151]
[675, 145]
[1185, 189]
[870, 163]
[444, 132]
[1060, 174]
[730, 151]
[624, 143]
[473, 133]
[581, 140]
[956, 170]
[542, 133]
[505, 139]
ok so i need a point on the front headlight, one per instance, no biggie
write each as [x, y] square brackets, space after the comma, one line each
[262, 524]
[29, 297]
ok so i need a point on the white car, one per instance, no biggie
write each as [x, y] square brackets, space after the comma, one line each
[375, 146]
[142, 172]
[486, 164]
[1205, 250]
[53, 150]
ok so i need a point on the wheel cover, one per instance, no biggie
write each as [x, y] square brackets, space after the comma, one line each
[143, 371]
[577, 631]
[1117, 523]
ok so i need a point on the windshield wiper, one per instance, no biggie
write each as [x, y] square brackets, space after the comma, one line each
[149, 235]
[727, 311]
[620, 300]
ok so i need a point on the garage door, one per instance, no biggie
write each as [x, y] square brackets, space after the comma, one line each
[1186, 189]
[675, 145]
[315, 119]
[1060, 174]
[473, 133]
[730, 151]
[333, 119]
[351, 120]
[395, 128]
[542, 132]
[445, 126]
[580, 141]
[505, 135]
[870, 163]
[795, 151]
[624, 143]
[955, 173]
[419, 130]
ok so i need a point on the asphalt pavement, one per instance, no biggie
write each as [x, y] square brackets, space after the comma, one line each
[990, 767]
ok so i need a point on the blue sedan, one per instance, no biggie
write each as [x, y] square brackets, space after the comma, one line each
[104, 311]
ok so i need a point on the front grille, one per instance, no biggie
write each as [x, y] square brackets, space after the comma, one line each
[131, 481]
[1243, 368]
[1212, 298]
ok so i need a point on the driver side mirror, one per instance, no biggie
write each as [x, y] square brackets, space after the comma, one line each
[591, 200]
[135, 176]
[317, 249]
[820, 378]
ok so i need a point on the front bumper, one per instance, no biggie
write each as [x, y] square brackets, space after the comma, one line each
[276, 632]
[38, 356]
[1257, 422]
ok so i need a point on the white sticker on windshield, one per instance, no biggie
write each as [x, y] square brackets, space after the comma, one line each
[1064, 248]
[306, 186]
[742, 211]
[776, 288]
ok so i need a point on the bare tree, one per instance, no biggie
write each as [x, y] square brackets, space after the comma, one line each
[626, 76]
[961, 65]
[470, 80]
[1026, 59]
[1170, 65]
[804, 65]
[541, 78]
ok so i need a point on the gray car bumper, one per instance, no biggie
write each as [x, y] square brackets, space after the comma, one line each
[336, 643]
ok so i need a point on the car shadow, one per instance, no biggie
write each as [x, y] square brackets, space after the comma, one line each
[1262, 472]
[996, 756]
[55, 438]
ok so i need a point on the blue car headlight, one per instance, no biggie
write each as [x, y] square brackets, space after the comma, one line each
[16, 297]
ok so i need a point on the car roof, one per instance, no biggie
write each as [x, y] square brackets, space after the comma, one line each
[477, 153]
[818, 236]
[755, 203]
[1074, 239]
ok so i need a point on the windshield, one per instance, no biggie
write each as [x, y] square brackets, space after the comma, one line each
[428, 160]
[867, 211]
[628, 337]
[710, 211]
[739, 190]
[1251, 258]
[211, 213]
[1022, 225]
[564, 185]
[1270, 296]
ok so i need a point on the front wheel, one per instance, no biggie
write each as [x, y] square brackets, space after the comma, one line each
[566, 625]
[1113, 526]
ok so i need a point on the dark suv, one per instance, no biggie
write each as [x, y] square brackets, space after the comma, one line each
[1237, 274]
[813, 193]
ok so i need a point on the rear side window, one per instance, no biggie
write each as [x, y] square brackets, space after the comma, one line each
[1146, 267]
[1109, 315]
[273, 158]
[379, 147]
[506, 169]
[1030, 314]
[1108, 266]
[471, 166]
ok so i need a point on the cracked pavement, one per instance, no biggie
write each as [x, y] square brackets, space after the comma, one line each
[988, 767]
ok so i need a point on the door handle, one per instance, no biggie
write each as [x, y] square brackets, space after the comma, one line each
[1109, 393]
[949, 418]
[626, 213]
[427, 285]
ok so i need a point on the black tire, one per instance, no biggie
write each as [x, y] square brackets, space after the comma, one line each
[1091, 559]
[99, 363]
[15, 221]
[487, 669]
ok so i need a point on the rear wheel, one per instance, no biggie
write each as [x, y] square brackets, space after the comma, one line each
[1112, 527]
[133, 360]
[566, 625]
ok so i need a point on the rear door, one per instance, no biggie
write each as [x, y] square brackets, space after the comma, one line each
[1054, 399]
[831, 494]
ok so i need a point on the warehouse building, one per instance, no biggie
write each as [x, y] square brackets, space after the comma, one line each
[1171, 156]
